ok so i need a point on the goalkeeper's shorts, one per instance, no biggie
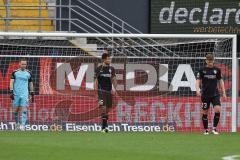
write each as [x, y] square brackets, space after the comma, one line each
[20, 101]
[105, 98]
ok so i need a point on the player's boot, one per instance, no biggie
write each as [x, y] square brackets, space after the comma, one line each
[214, 131]
[105, 130]
[22, 128]
[206, 132]
[17, 127]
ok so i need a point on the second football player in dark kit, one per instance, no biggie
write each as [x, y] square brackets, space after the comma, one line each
[105, 78]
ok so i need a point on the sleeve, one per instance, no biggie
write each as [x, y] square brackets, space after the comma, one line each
[113, 73]
[219, 75]
[96, 74]
[199, 75]
[13, 75]
[30, 78]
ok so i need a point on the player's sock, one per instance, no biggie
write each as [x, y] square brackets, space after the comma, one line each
[216, 119]
[24, 117]
[205, 121]
[16, 117]
[104, 121]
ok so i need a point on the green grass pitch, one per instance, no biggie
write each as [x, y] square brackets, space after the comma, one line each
[116, 146]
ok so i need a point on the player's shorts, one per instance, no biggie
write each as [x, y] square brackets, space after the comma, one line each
[105, 98]
[20, 101]
[206, 101]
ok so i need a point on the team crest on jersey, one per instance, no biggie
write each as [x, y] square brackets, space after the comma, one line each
[198, 75]
[215, 71]
[110, 70]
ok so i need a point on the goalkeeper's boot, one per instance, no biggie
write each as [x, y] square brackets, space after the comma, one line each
[206, 132]
[17, 127]
[214, 131]
[22, 128]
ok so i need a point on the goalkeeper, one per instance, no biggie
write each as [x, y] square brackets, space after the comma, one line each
[104, 79]
[20, 83]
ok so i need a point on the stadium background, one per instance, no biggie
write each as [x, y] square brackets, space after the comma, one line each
[142, 18]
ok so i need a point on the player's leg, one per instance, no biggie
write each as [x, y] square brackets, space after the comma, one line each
[217, 109]
[16, 109]
[24, 117]
[24, 107]
[205, 120]
[16, 117]
[205, 108]
[102, 105]
[105, 121]
[105, 113]
[108, 104]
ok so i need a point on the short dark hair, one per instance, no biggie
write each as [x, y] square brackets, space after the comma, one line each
[209, 56]
[105, 55]
[22, 59]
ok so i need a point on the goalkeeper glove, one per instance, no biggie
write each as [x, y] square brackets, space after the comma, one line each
[32, 96]
[11, 95]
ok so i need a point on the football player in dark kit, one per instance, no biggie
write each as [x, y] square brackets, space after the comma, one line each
[105, 77]
[209, 78]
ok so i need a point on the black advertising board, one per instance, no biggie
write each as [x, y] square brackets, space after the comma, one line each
[196, 17]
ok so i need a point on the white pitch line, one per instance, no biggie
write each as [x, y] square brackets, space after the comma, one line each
[232, 157]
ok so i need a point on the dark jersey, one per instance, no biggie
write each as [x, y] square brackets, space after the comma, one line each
[209, 77]
[104, 75]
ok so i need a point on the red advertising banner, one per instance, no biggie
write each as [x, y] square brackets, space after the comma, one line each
[184, 113]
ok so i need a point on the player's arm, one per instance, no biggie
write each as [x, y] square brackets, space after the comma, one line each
[96, 79]
[31, 88]
[223, 88]
[95, 84]
[114, 79]
[198, 83]
[221, 82]
[11, 85]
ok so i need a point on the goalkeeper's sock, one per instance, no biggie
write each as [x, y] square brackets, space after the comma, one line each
[24, 117]
[16, 117]
[216, 119]
[205, 121]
